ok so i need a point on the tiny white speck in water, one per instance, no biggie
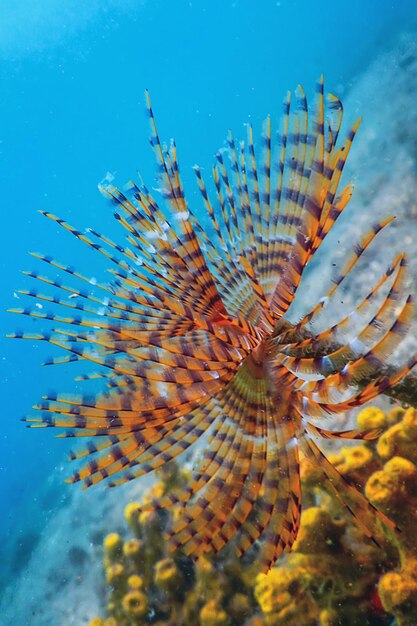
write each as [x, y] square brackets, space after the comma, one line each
[108, 178]
[73, 295]
[93, 281]
[39, 305]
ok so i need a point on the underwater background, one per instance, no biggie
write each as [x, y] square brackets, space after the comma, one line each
[73, 76]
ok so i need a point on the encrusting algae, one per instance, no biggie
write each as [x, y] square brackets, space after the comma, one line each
[334, 576]
[195, 335]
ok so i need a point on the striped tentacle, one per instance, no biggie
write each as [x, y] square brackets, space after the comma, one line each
[298, 170]
[380, 385]
[236, 497]
[350, 498]
[337, 280]
[228, 452]
[285, 289]
[241, 297]
[230, 215]
[266, 173]
[331, 211]
[354, 434]
[335, 123]
[236, 289]
[209, 463]
[367, 342]
[167, 447]
[273, 514]
[127, 309]
[280, 244]
[247, 208]
[173, 283]
[172, 189]
[149, 448]
[282, 529]
[369, 363]
[241, 506]
[342, 330]
[317, 205]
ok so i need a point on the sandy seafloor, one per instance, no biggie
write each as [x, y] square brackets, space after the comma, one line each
[62, 582]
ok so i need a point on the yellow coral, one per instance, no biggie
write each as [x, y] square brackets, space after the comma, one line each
[395, 414]
[325, 580]
[213, 615]
[391, 442]
[271, 589]
[409, 423]
[167, 575]
[239, 607]
[318, 531]
[310, 473]
[380, 489]
[357, 458]
[132, 515]
[135, 582]
[400, 439]
[135, 604]
[132, 548]
[114, 573]
[401, 469]
[148, 518]
[398, 592]
[96, 621]
[335, 458]
[328, 617]
[370, 418]
[112, 546]
[387, 488]
[356, 463]
[156, 491]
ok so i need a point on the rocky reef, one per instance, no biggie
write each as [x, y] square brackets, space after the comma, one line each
[335, 575]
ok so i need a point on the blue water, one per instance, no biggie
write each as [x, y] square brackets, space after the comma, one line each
[72, 78]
